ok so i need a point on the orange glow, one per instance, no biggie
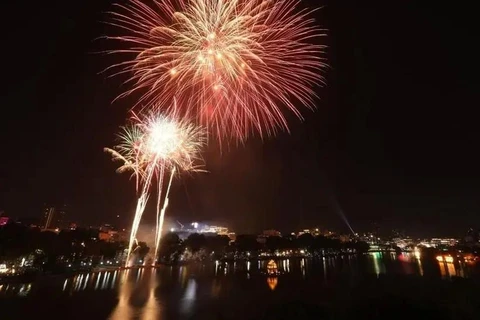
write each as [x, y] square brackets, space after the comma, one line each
[272, 282]
[470, 258]
[447, 259]
[272, 267]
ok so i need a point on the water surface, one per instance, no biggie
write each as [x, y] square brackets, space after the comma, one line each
[372, 286]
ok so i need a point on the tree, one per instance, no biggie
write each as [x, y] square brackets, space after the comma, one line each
[305, 241]
[142, 250]
[244, 243]
[170, 247]
[361, 247]
[195, 242]
[274, 243]
[14, 241]
[217, 243]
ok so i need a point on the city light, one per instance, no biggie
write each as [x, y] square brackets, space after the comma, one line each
[447, 259]
[3, 268]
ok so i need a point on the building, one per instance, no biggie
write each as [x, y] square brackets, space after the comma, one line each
[61, 216]
[443, 242]
[402, 243]
[314, 232]
[207, 230]
[214, 229]
[106, 228]
[47, 218]
[108, 236]
[271, 233]
[344, 238]
[53, 217]
[439, 242]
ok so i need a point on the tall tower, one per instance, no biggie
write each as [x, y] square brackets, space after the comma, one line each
[53, 217]
[48, 216]
[60, 217]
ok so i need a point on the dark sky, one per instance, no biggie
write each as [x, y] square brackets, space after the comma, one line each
[394, 140]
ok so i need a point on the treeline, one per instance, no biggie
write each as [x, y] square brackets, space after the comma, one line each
[82, 244]
[200, 247]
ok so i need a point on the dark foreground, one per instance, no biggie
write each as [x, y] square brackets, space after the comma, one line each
[368, 287]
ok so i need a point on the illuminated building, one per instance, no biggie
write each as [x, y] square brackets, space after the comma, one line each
[344, 238]
[4, 221]
[272, 268]
[48, 215]
[444, 242]
[214, 229]
[271, 233]
[113, 236]
[314, 232]
[109, 233]
[439, 242]
[196, 227]
[403, 243]
[106, 228]
[105, 236]
[305, 231]
[232, 236]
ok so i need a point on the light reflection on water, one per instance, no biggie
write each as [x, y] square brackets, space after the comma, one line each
[145, 293]
[123, 308]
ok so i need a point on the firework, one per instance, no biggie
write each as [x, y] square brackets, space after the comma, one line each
[151, 147]
[236, 66]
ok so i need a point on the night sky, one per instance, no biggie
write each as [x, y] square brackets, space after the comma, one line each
[394, 140]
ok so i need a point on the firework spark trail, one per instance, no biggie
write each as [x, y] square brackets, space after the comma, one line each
[157, 216]
[154, 145]
[236, 66]
[161, 215]
[140, 209]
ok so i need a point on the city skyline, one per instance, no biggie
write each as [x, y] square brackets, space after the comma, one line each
[61, 221]
[392, 140]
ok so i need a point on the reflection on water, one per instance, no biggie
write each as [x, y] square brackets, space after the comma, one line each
[216, 287]
[189, 296]
[272, 282]
[20, 290]
[125, 290]
[148, 293]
